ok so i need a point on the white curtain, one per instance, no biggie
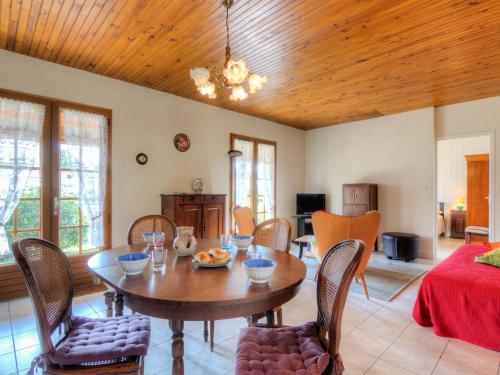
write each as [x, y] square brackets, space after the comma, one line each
[21, 125]
[89, 131]
[243, 173]
[266, 171]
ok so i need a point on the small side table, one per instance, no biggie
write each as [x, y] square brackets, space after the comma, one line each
[304, 241]
[458, 223]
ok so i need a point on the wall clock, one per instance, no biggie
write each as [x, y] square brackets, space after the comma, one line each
[141, 158]
[182, 142]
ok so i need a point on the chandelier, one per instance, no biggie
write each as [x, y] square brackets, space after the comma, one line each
[232, 77]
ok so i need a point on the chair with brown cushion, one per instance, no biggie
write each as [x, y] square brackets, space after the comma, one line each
[151, 223]
[312, 348]
[274, 234]
[90, 346]
[330, 229]
[244, 220]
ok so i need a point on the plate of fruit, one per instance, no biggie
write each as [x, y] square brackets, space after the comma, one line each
[212, 258]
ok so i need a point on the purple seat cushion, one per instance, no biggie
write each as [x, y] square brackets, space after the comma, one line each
[283, 351]
[102, 339]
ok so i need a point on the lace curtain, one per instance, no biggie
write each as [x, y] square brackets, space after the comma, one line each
[89, 131]
[243, 173]
[21, 125]
[265, 175]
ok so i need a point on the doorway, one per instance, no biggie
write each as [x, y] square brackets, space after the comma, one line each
[464, 191]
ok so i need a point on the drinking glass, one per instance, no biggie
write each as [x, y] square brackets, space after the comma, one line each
[159, 252]
[225, 242]
[252, 253]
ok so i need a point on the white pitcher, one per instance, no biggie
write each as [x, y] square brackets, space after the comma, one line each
[185, 243]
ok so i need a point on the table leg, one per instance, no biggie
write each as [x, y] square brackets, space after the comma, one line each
[119, 304]
[270, 317]
[301, 249]
[177, 327]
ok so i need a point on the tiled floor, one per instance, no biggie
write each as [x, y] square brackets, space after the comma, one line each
[378, 337]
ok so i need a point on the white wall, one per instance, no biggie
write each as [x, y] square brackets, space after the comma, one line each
[452, 169]
[396, 152]
[472, 118]
[147, 120]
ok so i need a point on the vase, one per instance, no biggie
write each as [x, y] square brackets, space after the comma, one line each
[185, 243]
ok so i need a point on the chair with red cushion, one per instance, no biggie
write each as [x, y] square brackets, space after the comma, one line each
[312, 348]
[101, 346]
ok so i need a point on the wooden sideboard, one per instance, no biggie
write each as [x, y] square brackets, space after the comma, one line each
[205, 212]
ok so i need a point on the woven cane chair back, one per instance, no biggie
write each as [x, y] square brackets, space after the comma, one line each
[151, 223]
[273, 233]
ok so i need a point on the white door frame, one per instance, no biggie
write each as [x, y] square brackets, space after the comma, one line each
[491, 200]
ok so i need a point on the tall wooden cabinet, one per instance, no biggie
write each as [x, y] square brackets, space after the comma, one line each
[205, 212]
[358, 199]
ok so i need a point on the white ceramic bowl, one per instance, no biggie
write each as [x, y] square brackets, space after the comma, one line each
[259, 271]
[133, 263]
[242, 242]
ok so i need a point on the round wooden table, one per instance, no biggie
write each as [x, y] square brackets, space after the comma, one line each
[184, 292]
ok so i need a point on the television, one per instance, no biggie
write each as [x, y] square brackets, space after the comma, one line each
[309, 203]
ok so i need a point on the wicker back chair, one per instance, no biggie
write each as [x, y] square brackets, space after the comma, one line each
[335, 276]
[151, 223]
[263, 346]
[47, 273]
[50, 284]
[273, 233]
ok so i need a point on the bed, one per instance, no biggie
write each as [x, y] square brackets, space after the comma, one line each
[460, 298]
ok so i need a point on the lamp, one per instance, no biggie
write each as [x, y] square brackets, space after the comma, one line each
[459, 203]
[234, 74]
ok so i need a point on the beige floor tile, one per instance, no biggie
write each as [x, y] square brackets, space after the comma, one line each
[378, 325]
[159, 359]
[8, 364]
[26, 339]
[417, 350]
[385, 368]
[462, 358]
[368, 343]
[356, 362]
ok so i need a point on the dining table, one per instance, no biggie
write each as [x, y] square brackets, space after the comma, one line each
[185, 291]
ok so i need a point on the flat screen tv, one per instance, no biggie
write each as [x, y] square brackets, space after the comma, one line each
[309, 203]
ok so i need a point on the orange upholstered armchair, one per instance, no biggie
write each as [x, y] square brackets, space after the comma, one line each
[244, 220]
[330, 229]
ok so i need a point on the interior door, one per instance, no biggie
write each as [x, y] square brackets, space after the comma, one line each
[191, 217]
[213, 220]
[478, 182]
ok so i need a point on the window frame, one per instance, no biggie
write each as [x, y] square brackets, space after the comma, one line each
[256, 141]
[49, 165]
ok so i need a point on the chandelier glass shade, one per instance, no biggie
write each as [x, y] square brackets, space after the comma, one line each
[233, 76]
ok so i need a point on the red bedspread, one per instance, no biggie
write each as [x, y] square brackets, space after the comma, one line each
[461, 299]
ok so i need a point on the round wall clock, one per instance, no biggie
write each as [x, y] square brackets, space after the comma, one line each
[182, 142]
[141, 158]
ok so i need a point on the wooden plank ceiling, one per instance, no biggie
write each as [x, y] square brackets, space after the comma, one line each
[327, 62]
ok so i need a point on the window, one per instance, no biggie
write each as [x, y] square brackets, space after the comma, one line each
[253, 176]
[54, 174]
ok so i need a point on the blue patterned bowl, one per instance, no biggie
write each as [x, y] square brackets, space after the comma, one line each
[259, 271]
[133, 263]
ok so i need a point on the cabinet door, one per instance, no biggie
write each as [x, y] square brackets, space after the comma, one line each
[356, 194]
[213, 220]
[190, 216]
[355, 209]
